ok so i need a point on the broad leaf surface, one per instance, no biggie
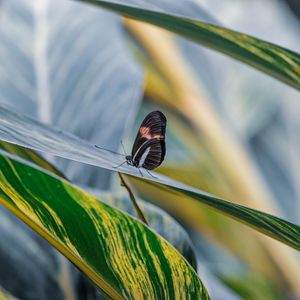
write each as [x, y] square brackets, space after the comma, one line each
[120, 255]
[160, 221]
[16, 235]
[274, 60]
[68, 64]
[21, 130]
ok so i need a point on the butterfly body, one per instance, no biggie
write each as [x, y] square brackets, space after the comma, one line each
[149, 147]
[130, 161]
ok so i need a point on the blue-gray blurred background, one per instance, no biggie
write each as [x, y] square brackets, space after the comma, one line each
[79, 68]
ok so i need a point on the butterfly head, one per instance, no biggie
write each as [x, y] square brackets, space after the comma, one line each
[129, 160]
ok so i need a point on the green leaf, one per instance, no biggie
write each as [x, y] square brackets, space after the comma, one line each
[122, 256]
[21, 130]
[160, 221]
[13, 234]
[274, 60]
[252, 286]
[31, 156]
[270, 225]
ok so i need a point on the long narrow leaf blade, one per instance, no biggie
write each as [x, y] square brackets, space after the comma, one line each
[270, 225]
[123, 257]
[274, 60]
[21, 130]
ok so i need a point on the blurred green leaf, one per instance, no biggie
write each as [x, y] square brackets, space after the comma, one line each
[252, 286]
[274, 60]
[120, 255]
[21, 130]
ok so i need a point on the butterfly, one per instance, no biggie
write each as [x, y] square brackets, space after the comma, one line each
[149, 148]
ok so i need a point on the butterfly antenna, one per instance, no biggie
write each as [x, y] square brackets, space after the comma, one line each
[123, 148]
[118, 166]
[108, 150]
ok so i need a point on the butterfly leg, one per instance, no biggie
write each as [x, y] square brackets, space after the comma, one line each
[141, 172]
[150, 174]
[118, 166]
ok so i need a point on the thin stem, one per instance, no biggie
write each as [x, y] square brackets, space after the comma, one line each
[137, 208]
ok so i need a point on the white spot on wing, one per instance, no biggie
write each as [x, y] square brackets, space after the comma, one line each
[144, 156]
[137, 151]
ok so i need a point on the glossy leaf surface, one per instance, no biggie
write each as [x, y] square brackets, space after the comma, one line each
[119, 254]
[160, 221]
[274, 60]
[68, 64]
[21, 130]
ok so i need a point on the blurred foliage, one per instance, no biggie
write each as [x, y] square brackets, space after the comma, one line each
[52, 70]
[256, 288]
[232, 131]
[276, 61]
[162, 88]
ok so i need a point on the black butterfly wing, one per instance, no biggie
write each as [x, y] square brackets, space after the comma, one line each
[153, 126]
[151, 154]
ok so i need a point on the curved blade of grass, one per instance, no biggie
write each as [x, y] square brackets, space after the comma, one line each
[274, 60]
[123, 257]
[21, 130]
